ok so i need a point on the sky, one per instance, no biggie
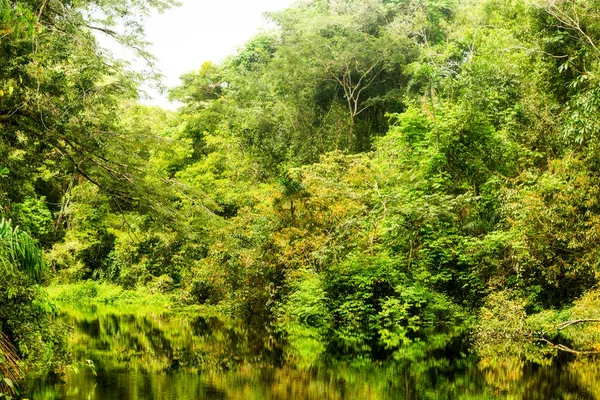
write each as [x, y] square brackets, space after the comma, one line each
[203, 30]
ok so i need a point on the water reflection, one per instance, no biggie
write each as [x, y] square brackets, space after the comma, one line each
[145, 355]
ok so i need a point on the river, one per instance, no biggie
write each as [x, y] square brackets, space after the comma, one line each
[139, 354]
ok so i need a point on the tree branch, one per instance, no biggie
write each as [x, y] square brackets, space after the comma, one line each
[107, 31]
[565, 348]
[42, 9]
[569, 22]
[575, 321]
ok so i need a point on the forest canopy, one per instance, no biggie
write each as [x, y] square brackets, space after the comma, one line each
[380, 177]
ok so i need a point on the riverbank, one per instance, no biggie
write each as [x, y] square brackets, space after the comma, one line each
[120, 300]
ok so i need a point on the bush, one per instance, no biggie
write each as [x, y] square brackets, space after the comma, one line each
[162, 284]
[204, 292]
[79, 293]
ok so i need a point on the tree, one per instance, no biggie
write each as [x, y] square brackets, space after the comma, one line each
[61, 93]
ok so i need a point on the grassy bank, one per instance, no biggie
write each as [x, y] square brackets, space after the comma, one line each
[106, 294]
[91, 292]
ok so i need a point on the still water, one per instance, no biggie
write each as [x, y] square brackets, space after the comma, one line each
[143, 355]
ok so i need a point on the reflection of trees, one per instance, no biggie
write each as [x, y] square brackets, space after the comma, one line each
[513, 377]
[159, 343]
[159, 357]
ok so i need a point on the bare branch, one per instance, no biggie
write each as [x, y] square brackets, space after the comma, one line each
[42, 9]
[575, 321]
[568, 21]
[107, 31]
[565, 348]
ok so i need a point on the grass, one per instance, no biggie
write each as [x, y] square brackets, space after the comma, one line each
[91, 292]
[120, 300]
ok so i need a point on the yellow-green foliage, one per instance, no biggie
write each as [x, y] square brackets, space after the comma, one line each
[554, 218]
[585, 335]
[367, 179]
[91, 292]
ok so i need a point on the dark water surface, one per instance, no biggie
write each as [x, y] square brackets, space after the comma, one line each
[125, 355]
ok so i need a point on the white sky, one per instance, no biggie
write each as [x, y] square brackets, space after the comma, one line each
[203, 30]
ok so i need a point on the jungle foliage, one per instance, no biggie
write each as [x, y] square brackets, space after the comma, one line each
[374, 179]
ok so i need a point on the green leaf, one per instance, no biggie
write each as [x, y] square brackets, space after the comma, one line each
[9, 383]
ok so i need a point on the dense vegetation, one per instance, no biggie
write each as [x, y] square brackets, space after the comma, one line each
[374, 179]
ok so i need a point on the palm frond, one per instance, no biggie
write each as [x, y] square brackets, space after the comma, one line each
[18, 250]
[10, 369]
